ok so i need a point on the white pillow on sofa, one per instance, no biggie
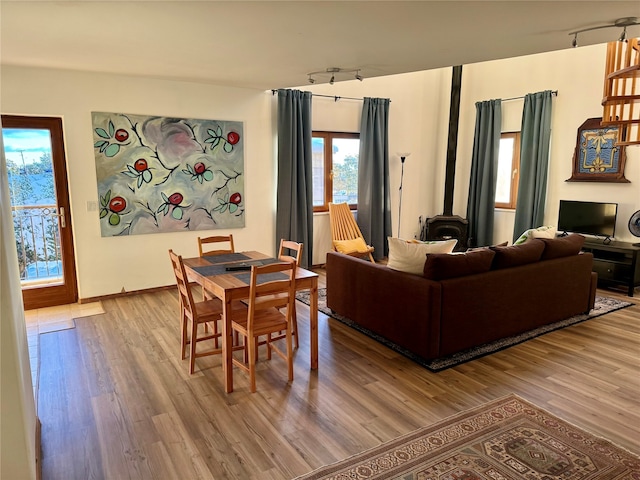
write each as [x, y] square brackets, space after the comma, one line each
[409, 256]
[540, 232]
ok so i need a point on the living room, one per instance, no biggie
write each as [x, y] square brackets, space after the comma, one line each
[419, 116]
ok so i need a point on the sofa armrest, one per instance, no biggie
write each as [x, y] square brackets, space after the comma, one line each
[398, 306]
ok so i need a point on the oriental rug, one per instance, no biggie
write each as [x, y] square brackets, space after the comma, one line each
[506, 439]
[603, 305]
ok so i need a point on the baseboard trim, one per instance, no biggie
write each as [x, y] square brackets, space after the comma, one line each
[125, 294]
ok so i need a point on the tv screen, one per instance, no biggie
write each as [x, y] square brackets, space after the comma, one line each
[589, 218]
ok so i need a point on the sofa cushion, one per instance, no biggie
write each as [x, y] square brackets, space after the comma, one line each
[350, 246]
[409, 256]
[514, 255]
[442, 266]
[562, 246]
[540, 232]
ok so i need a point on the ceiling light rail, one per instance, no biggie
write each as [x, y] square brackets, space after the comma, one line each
[622, 23]
[333, 71]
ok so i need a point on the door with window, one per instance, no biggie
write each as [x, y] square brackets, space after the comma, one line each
[37, 174]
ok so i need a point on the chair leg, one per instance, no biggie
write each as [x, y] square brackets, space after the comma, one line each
[184, 335]
[294, 319]
[194, 336]
[252, 362]
[290, 354]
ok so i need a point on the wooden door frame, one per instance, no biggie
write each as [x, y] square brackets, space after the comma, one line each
[57, 294]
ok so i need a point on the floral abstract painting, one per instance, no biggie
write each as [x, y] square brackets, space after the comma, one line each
[162, 174]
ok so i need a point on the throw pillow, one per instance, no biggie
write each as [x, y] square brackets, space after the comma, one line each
[407, 256]
[351, 246]
[515, 255]
[562, 246]
[441, 267]
[540, 232]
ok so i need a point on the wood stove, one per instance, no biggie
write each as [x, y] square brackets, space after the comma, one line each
[447, 225]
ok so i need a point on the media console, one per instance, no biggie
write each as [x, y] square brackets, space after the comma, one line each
[616, 263]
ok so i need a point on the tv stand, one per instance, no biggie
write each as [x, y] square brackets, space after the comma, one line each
[616, 263]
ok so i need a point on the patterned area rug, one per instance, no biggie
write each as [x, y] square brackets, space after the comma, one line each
[505, 439]
[603, 305]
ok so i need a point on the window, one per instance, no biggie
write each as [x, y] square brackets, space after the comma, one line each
[508, 170]
[335, 169]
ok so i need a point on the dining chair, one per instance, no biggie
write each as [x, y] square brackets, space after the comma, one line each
[287, 247]
[215, 239]
[271, 292]
[206, 241]
[346, 236]
[196, 314]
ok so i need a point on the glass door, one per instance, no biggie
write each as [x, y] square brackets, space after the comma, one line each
[36, 166]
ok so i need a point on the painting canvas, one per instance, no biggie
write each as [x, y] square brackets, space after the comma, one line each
[161, 174]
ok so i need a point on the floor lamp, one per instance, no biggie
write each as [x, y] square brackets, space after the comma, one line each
[403, 157]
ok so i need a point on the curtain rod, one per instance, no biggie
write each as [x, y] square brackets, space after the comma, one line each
[335, 98]
[554, 93]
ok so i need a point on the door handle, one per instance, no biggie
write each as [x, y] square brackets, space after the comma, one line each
[63, 223]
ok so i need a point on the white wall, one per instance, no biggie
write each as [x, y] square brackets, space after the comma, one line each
[109, 265]
[418, 123]
[578, 75]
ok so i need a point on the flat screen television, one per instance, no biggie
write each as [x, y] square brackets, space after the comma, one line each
[589, 218]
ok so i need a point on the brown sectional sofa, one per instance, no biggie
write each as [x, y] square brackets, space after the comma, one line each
[464, 300]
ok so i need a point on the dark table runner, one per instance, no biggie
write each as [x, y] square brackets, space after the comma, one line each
[243, 276]
[225, 258]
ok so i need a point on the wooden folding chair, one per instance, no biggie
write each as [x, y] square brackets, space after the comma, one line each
[346, 236]
[268, 298]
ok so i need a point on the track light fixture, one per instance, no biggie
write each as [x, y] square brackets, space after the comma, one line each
[335, 71]
[620, 23]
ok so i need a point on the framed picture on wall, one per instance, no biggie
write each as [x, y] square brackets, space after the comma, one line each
[597, 158]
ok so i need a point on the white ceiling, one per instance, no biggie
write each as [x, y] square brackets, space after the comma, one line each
[267, 44]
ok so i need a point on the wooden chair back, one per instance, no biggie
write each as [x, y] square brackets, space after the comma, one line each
[343, 223]
[184, 291]
[271, 292]
[216, 239]
[287, 247]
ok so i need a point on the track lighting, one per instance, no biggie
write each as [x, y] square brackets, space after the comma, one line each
[623, 35]
[620, 23]
[335, 71]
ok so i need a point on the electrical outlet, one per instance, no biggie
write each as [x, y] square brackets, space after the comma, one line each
[92, 206]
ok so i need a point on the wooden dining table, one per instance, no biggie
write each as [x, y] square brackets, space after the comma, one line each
[213, 274]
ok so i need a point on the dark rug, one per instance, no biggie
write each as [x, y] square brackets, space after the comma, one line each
[508, 438]
[603, 305]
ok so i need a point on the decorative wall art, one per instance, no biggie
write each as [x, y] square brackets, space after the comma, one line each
[596, 157]
[160, 174]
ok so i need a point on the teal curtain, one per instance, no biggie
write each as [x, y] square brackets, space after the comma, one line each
[294, 211]
[484, 172]
[374, 205]
[535, 138]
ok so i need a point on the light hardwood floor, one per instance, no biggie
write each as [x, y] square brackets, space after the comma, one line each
[117, 402]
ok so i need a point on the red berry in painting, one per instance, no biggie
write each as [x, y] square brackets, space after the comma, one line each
[233, 138]
[199, 168]
[121, 135]
[117, 204]
[140, 165]
[235, 198]
[175, 199]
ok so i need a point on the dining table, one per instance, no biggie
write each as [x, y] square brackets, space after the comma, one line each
[227, 276]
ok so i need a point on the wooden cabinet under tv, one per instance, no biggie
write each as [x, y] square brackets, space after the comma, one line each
[616, 263]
